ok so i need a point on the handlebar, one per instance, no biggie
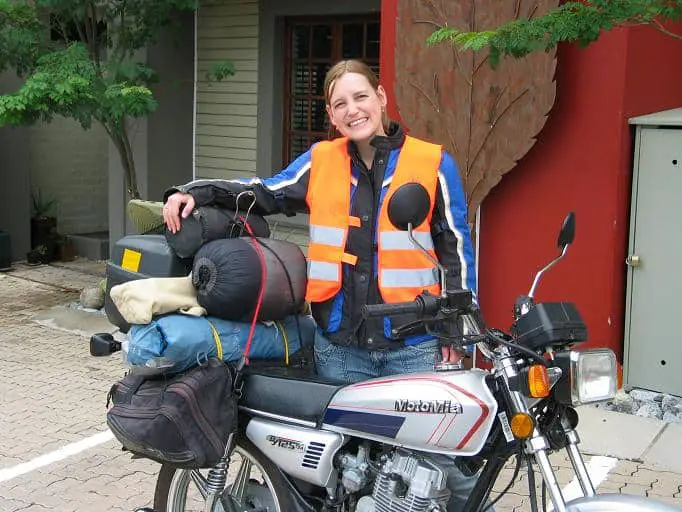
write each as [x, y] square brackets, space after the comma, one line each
[456, 306]
[422, 305]
[451, 313]
[400, 308]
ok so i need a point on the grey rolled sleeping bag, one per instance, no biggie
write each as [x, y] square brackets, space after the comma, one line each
[228, 273]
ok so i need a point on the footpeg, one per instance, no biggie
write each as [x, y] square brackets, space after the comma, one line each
[103, 344]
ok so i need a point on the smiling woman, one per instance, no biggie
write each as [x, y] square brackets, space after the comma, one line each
[356, 105]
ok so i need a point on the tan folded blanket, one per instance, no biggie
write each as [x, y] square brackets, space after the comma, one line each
[139, 300]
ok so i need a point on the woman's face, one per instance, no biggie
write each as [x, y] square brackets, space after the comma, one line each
[355, 108]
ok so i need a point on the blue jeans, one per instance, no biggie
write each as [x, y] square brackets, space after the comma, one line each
[351, 364]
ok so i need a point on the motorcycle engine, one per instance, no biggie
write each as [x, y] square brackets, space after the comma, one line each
[407, 483]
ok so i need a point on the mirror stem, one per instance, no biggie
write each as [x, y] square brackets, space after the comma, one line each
[550, 265]
[433, 260]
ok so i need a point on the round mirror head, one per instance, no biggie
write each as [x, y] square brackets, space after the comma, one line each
[410, 204]
[567, 233]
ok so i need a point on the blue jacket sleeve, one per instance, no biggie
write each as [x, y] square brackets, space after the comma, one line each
[450, 229]
[283, 193]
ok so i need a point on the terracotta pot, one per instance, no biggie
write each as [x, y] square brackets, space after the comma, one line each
[67, 252]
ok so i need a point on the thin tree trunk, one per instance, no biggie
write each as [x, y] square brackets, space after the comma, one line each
[131, 171]
[119, 137]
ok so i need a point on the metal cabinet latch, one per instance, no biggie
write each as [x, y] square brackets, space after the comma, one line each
[633, 261]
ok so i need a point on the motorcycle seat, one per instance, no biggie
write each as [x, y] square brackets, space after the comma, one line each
[292, 392]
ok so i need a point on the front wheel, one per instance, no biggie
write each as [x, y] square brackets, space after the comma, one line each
[620, 502]
[254, 484]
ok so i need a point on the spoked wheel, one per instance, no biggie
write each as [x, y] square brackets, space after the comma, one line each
[254, 484]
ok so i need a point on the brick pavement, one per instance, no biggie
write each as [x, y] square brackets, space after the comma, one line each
[626, 477]
[52, 393]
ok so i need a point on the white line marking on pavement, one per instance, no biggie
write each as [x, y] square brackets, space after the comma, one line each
[598, 468]
[55, 456]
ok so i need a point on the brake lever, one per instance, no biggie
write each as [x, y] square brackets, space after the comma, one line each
[405, 329]
[436, 325]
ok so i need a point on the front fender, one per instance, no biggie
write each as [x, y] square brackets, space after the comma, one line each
[619, 503]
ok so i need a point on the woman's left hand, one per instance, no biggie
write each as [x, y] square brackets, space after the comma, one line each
[450, 355]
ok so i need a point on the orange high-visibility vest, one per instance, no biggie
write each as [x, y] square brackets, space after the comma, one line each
[404, 271]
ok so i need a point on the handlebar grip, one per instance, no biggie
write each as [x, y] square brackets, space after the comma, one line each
[398, 308]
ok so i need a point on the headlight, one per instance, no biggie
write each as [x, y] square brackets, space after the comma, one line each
[588, 376]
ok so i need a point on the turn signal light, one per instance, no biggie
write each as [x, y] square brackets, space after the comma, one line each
[538, 381]
[522, 425]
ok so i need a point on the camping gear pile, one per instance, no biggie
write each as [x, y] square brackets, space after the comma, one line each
[208, 290]
[217, 291]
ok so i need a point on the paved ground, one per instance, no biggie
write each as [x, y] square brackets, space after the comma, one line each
[53, 393]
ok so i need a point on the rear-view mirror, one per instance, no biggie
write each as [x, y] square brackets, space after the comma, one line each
[567, 233]
[409, 205]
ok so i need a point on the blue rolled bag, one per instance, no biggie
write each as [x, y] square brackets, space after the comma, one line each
[179, 342]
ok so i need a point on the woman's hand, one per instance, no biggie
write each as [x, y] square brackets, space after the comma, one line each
[450, 355]
[172, 210]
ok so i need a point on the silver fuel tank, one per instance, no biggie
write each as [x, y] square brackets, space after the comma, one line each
[441, 412]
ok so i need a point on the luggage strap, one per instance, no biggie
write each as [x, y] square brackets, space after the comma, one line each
[216, 339]
[286, 342]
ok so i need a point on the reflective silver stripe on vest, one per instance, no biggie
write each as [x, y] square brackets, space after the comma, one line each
[323, 271]
[399, 240]
[326, 235]
[409, 278]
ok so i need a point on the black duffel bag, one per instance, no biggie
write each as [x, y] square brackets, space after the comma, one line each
[184, 419]
[208, 223]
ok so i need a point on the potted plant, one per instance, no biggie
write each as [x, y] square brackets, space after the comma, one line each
[42, 222]
[64, 248]
[38, 255]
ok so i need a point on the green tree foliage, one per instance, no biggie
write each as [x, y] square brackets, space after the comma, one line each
[572, 21]
[78, 60]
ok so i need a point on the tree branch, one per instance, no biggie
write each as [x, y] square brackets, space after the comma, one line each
[88, 35]
[134, 192]
[658, 26]
[62, 28]
[95, 37]
[85, 37]
[121, 34]
[117, 139]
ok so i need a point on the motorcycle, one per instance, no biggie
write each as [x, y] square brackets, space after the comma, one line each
[304, 444]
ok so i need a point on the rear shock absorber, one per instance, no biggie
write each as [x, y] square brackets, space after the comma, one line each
[217, 476]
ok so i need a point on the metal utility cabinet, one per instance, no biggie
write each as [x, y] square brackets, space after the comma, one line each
[653, 331]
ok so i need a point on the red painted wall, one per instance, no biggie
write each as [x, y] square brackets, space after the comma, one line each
[575, 166]
[582, 163]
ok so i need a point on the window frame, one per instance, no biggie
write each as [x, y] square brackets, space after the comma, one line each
[336, 22]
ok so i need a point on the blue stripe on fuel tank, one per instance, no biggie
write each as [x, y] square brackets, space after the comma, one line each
[377, 424]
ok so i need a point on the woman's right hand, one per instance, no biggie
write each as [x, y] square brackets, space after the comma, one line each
[177, 204]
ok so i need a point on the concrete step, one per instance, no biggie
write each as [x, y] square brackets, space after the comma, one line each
[94, 246]
[624, 436]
